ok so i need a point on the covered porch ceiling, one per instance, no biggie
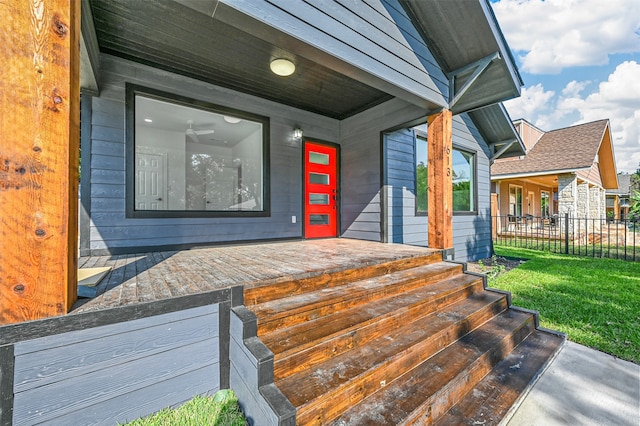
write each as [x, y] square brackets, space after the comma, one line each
[212, 41]
[174, 37]
[470, 48]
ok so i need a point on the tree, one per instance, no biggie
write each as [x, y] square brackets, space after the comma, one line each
[635, 181]
[634, 208]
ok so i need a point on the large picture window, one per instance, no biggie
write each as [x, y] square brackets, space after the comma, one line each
[464, 181]
[189, 158]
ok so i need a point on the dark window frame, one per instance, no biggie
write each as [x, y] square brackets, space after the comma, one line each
[418, 134]
[474, 211]
[131, 91]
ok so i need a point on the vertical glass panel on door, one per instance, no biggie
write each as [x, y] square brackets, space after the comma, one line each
[318, 158]
[319, 219]
[319, 178]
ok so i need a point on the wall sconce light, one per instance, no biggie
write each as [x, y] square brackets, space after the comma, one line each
[282, 67]
[297, 133]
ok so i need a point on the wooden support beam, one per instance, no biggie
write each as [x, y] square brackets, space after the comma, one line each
[39, 124]
[440, 195]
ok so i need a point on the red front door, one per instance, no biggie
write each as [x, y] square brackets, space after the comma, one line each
[320, 190]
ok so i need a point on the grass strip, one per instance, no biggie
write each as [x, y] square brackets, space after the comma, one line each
[596, 302]
[219, 410]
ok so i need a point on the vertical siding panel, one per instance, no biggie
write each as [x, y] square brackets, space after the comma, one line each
[404, 226]
[472, 233]
[361, 166]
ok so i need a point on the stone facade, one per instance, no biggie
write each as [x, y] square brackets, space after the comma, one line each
[582, 201]
[567, 194]
[596, 202]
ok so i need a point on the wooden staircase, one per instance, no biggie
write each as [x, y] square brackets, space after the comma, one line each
[410, 341]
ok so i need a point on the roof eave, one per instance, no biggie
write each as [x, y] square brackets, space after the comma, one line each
[446, 26]
[542, 173]
[607, 160]
[495, 126]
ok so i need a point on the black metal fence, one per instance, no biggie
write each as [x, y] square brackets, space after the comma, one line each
[617, 239]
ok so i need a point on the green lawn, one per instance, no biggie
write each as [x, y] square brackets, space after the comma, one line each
[596, 302]
[218, 410]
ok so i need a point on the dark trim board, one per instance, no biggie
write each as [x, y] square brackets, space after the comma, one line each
[224, 313]
[7, 364]
[86, 125]
[474, 152]
[384, 203]
[13, 333]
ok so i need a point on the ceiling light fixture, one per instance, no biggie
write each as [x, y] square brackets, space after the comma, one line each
[148, 120]
[282, 67]
[231, 120]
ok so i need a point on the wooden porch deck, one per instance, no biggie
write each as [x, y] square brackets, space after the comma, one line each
[147, 277]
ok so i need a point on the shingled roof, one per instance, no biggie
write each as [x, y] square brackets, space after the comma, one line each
[563, 150]
[624, 185]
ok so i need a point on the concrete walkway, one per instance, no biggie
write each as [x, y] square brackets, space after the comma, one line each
[583, 387]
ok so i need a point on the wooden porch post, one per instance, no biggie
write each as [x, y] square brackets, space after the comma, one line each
[440, 196]
[39, 124]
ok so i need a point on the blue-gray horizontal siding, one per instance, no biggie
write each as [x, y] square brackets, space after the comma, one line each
[375, 36]
[110, 229]
[360, 138]
[118, 372]
[403, 225]
[471, 233]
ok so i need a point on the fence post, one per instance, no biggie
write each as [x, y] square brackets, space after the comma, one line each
[566, 233]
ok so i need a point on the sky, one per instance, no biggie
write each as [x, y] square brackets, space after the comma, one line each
[580, 62]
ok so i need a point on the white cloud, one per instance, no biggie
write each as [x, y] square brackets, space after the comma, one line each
[574, 88]
[616, 99]
[533, 101]
[551, 35]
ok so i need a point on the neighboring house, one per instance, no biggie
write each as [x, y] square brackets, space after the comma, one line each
[564, 171]
[618, 199]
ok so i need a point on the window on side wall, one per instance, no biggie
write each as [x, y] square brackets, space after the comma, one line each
[464, 181]
[544, 204]
[188, 158]
[515, 200]
[422, 182]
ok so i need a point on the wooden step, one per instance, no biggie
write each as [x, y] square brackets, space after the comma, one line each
[304, 345]
[323, 392]
[279, 289]
[433, 387]
[492, 399]
[289, 311]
